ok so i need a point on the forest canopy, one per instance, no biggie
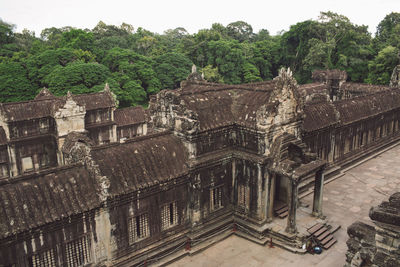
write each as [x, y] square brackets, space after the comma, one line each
[137, 63]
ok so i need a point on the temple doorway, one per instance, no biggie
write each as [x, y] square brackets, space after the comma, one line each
[281, 196]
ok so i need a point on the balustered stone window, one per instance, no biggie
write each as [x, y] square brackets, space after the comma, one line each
[169, 215]
[44, 259]
[216, 197]
[243, 196]
[78, 252]
[138, 228]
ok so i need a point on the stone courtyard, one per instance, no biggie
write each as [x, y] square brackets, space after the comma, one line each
[347, 199]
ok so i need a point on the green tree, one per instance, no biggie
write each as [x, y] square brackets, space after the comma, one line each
[228, 57]
[102, 30]
[318, 54]
[219, 29]
[6, 33]
[266, 57]
[77, 77]
[340, 44]
[7, 45]
[331, 42]
[107, 37]
[171, 69]
[334, 28]
[132, 72]
[250, 73]
[295, 47]
[104, 44]
[211, 74]
[133, 94]
[42, 64]
[240, 30]
[380, 69]
[77, 39]
[146, 45]
[25, 40]
[196, 48]
[52, 36]
[354, 53]
[262, 35]
[388, 32]
[173, 39]
[14, 84]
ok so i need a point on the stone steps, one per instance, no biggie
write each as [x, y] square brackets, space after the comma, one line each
[314, 228]
[277, 240]
[330, 243]
[281, 211]
[323, 235]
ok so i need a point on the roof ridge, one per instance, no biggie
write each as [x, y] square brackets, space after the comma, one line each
[51, 99]
[38, 173]
[133, 140]
[135, 107]
[366, 96]
[312, 84]
[92, 93]
[30, 101]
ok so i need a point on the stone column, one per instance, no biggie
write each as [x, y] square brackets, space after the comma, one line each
[13, 169]
[268, 210]
[113, 134]
[259, 192]
[194, 203]
[331, 156]
[234, 187]
[318, 193]
[271, 196]
[60, 156]
[292, 206]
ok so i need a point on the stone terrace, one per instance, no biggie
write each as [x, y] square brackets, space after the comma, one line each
[346, 200]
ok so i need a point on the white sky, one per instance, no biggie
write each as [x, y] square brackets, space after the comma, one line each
[158, 16]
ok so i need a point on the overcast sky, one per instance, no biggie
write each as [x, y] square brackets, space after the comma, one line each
[158, 16]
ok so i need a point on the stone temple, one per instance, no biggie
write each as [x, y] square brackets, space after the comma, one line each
[83, 183]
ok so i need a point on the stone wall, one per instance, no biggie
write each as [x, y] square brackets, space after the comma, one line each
[343, 144]
[51, 242]
[149, 203]
[376, 245]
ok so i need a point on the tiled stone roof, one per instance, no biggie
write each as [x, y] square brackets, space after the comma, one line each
[128, 116]
[45, 106]
[46, 198]
[145, 161]
[321, 115]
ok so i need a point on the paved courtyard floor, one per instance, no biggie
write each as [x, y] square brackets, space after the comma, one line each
[346, 200]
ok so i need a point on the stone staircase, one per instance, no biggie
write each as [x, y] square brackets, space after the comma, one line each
[281, 210]
[323, 235]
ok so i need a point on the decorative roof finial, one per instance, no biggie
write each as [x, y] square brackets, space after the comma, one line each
[69, 95]
[195, 76]
[285, 77]
[44, 94]
[106, 88]
[202, 75]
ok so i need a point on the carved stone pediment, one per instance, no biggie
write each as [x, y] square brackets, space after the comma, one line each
[71, 117]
